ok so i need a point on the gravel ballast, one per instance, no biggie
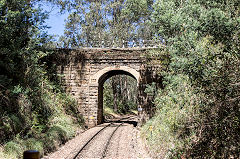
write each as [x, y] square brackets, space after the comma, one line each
[125, 143]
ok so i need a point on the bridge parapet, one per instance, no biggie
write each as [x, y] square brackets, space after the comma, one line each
[85, 70]
[122, 44]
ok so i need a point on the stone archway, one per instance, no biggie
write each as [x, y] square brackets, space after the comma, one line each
[132, 72]
[82, 71]
[101, 76]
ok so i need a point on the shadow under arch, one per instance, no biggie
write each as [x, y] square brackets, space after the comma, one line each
[102, 75]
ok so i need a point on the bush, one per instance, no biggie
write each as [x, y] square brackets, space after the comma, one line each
[198, 119]
[13, 148]
[177, 106]
[29, 100]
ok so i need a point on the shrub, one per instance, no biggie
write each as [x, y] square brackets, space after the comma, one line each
[177, 106]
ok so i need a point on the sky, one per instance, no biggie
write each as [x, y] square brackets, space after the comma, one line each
[55, 21]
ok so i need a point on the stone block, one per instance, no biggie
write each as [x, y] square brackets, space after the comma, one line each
[81, 78]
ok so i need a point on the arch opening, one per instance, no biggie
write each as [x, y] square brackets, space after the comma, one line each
[105, 78]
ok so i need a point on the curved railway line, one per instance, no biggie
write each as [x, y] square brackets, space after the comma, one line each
[106, 132]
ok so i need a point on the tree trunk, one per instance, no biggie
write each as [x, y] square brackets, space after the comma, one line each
[115, 93]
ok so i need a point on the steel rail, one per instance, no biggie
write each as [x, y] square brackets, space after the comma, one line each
[106, 146]
[109, 139]
[90, 140]
[77, 154]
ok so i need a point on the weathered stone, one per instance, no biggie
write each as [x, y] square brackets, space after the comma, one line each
[84, 72]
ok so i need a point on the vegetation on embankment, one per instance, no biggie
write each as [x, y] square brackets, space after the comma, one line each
[42, 125]
[198, 111]
[35, 113]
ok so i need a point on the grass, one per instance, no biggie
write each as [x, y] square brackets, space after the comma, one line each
[176, 108]
[133, 112]
[61, 130]
[109, 113]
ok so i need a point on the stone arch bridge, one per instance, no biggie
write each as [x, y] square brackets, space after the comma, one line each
[84, 71]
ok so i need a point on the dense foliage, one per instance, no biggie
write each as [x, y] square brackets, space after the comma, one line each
[92, 22]
[120, 94]
[34, 112]
[198, 111]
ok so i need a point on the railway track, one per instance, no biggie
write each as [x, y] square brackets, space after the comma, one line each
[101, 139]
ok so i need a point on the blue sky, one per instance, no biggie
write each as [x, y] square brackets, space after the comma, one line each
[56, 20]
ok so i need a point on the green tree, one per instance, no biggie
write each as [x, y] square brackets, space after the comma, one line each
[202, 40]
[110, 21]
[120, 93]
[30, 104]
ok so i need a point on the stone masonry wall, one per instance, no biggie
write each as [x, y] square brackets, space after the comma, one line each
[85, 70]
